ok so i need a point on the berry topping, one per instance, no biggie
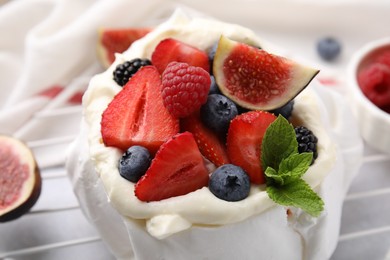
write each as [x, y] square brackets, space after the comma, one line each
[137, 115]
[256, 79]
[307, 141]
[169, 50]
[184, 88]
[116, 40]
[328, 48]
[214, 89]
[383, 58]
[209, 143]
[285, 110]
[244, 140]
[134, 163]
[211, 53]
[123, 72]
[177, 169]
[230, 183]
[374, 81]
[217, 113]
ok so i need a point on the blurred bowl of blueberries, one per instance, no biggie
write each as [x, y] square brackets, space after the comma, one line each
[369, 92]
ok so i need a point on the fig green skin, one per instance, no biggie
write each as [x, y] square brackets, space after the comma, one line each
[26, 205]
[301, 76]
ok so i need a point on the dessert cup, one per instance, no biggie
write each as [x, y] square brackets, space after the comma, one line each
[198, 225]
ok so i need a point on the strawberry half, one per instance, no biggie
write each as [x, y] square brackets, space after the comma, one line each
[244, 140]
[210, 145]
[177, 169]
[169, 50]
[137, 115]
[116, 40]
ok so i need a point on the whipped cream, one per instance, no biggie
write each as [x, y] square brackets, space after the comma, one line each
[139, 230]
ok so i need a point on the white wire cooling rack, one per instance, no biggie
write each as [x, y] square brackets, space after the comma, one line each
[55, 228]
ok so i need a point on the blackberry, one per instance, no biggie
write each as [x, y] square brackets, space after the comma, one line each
[123, 72]
[307, 141]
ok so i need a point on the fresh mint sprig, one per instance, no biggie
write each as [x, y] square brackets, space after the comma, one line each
[284, 167]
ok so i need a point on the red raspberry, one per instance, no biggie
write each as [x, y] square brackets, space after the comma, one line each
[374, 81]
[184, 88]
[383, 58]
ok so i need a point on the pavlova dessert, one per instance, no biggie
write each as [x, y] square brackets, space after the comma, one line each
[201, 142]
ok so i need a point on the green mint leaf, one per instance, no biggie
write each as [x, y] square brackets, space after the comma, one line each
[279, 142]
[297, 194]
[290, 169]
[293, 167]
[284, 167]
[273, 177]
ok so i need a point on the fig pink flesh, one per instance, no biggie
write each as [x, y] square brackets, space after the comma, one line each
[13, 175]
[254, 75]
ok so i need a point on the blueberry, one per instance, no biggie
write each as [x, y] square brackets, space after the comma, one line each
[285, 110]
[229, 182]
[218, 112]
[328, 48]
[211, 53]
[214, 89]
[134, 163]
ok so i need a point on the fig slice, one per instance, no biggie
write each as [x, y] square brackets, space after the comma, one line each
[20, 180]
[256, 79]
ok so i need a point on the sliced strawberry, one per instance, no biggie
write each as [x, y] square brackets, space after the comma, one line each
[244, 140]
[177, 169]
[137, 115]
[210, 145]
[117, 40]
[169, 50]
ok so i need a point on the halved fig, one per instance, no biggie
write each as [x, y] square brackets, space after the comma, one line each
[20, 180]
[116, 40]
[256, 79]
